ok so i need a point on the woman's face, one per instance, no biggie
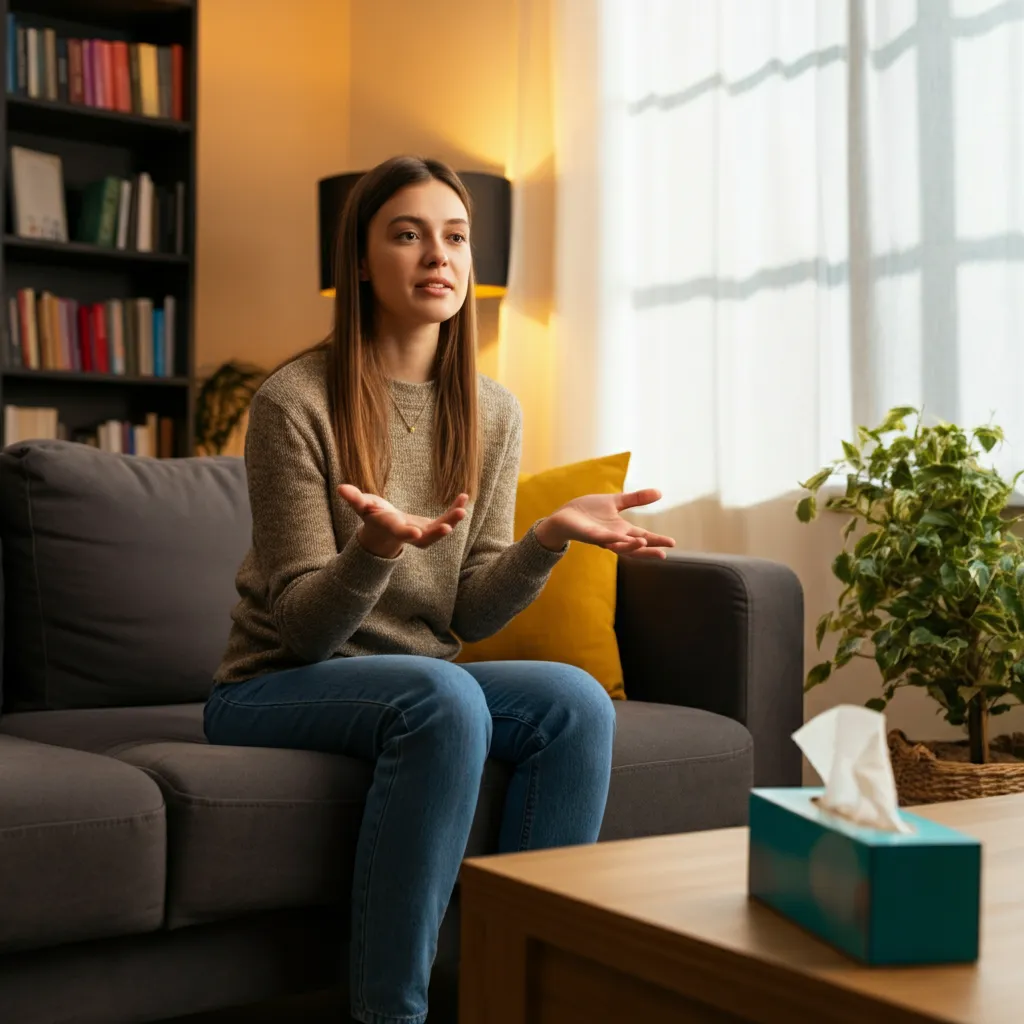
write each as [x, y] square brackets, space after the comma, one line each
[417, 255]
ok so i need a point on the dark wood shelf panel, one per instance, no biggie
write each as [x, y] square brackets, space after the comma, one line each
[82, 377]
[37, 250]
[88, 124]
[102, 11]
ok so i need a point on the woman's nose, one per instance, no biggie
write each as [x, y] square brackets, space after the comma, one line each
[436, 255]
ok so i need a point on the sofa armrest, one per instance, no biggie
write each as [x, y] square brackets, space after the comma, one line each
[723, 633]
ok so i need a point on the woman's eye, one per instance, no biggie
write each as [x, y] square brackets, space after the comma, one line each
[408, 236]
[458, 238]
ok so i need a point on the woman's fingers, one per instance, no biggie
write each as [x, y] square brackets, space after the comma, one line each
[633, 499]
[646, 552]
[353, 496]
[658, 540]
[626, 546]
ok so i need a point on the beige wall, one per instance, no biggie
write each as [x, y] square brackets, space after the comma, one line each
[273, 113]
[440, 86]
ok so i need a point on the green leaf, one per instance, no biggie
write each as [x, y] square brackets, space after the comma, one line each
[948, 576]
[981, 575]
[852, 455]
[867, 567]
[822, 628]
[1006, 563]
[903, 502]
[869, 593]
[876, 704]
[847, 649]
[867, 543]
[989, 621]
[818, 675]
[938, 471]
[1012, 603]
[842, 567]
[936, 517]
[988, 437]
[921, 636]
[807, 509]
[895, 419]
[901, 477]
[850, 527]
[815, 482]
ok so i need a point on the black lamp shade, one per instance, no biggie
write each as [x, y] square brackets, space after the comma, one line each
[491, 234]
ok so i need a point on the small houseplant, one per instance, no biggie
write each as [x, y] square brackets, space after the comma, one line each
[933, 591]
[223, 399]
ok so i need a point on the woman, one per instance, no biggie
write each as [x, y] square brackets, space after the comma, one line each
[382, 477]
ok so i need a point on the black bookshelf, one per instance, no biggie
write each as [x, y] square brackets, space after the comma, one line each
[92, 144]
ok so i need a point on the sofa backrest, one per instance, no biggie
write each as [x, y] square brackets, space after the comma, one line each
[118, 574]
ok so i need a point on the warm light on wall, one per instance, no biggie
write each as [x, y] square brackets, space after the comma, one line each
[491, 195]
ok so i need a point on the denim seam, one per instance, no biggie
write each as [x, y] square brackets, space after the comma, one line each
[379, 1018]
[529, 803]
[259, 706]
[364, 883]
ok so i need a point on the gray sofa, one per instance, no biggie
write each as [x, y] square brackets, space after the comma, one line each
[145, 874]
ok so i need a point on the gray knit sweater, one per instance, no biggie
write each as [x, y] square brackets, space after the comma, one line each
[308, 589]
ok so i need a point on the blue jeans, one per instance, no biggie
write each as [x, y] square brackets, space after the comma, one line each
[429, 726]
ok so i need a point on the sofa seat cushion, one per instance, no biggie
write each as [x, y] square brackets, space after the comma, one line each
[252, 828]
[255, 828]
[108, 730]
[676, 770]
[82, 847]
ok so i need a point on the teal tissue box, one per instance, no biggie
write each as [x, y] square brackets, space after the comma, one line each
[882, 897]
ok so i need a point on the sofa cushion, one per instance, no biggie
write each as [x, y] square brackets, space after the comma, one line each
[82, 847]
[252, 828]
[119, 573]
[108, 730]
[676, 770]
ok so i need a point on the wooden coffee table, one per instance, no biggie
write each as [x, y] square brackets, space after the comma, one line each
[661, 930]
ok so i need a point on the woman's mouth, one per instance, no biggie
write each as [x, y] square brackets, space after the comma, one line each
[434, 287]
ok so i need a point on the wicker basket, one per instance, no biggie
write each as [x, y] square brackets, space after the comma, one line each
[924, 778]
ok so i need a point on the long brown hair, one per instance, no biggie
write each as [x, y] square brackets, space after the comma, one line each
[356, 378]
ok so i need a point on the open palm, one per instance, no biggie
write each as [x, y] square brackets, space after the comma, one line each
[386, 528]
[596, 519]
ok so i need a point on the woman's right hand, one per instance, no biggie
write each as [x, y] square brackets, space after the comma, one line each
[386, 530]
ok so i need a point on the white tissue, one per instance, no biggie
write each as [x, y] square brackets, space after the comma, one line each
[847, 747]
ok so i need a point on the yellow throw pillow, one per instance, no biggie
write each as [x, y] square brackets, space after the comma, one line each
[573, 619]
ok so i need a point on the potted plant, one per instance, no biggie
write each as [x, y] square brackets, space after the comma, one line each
[222, 401]
[933, 593]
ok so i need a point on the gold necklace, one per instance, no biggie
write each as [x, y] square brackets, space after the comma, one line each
[411, 427]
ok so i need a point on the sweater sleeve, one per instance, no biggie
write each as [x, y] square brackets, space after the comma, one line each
[317, 595]
[500, 578]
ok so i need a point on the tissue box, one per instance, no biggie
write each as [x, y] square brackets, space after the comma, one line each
[882, 897]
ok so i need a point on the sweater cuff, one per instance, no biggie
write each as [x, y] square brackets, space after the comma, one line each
[536, 557]
[362, 571]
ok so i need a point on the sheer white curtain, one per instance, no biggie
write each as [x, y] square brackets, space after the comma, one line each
[795, 213]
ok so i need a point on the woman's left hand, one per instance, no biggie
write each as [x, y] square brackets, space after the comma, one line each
[595, 519]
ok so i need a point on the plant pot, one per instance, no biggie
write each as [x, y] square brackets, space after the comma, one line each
[928, 773]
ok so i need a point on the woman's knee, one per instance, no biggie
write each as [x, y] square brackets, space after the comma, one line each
[587, 703]
[445, 698]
